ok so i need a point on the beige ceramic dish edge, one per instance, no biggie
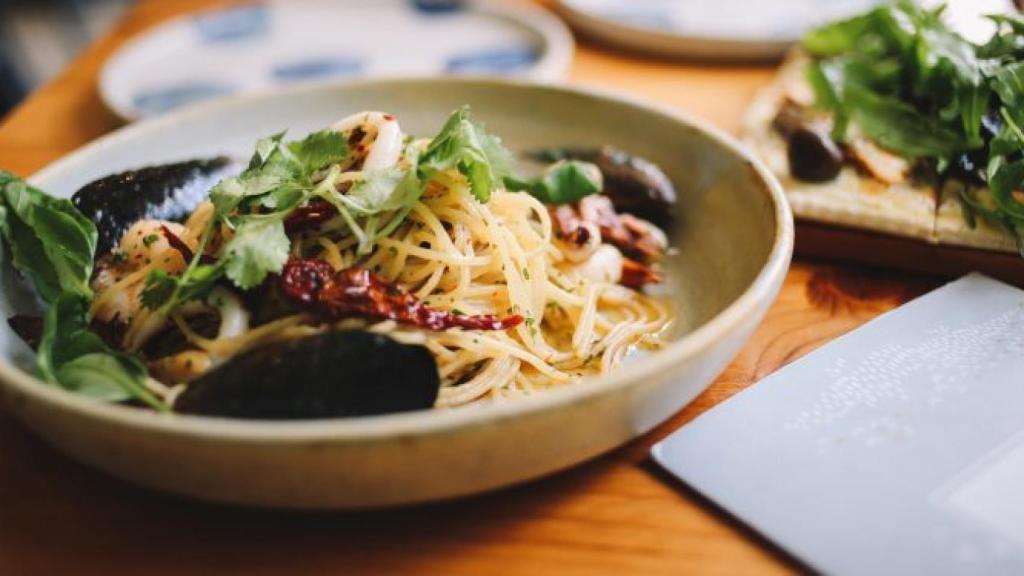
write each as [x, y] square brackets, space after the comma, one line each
[420, 456]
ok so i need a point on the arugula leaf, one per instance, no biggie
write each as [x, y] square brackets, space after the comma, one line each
[1004, 179]
[259, 247]
[465, 146]
[75, 358]
[899, 126]
[50, 240]
[917, 88]
[1008, 41]
[564, 182]
[905, 78]
[1008, 84]
[838, 37]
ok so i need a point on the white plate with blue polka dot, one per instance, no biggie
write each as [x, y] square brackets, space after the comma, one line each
[258, 46]
[716, 29]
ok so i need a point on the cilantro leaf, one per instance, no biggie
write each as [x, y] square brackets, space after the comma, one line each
[265, 148]
[259, 247]
[382, 190]
[465, 146]
[162, 289]
[229, 193]
[279, 172]
[318, 150]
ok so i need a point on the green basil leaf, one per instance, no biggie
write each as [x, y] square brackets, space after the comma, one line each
[102, 376]
[50, 240]
[564, 182]
[75, 358]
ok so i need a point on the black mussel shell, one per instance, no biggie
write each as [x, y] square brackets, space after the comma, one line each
[167, 192]
[28, 328]
[635, 186]
[330, 375]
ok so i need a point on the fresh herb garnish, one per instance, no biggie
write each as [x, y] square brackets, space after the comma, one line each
[914, 86]
[564, 182]
[465, 146]
[50, 241]
[75, 358]
[254, 204]
[283, 176]
[53, 244]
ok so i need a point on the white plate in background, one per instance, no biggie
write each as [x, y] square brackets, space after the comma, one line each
[256, 46]
[739, 29]
[716, 29]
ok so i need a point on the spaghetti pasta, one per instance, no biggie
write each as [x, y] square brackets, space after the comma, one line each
[501, 258]
[517, 304]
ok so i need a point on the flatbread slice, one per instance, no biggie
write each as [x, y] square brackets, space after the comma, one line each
[852, 199]
[952, 228]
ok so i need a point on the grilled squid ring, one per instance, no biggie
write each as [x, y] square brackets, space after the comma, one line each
[384, 133]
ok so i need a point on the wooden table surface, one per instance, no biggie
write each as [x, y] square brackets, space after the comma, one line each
[617, 514]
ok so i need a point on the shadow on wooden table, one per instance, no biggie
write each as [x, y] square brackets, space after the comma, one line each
[56, 513]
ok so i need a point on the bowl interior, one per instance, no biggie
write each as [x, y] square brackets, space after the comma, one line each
[726, 220]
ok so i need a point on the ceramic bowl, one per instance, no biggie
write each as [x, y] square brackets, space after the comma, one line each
[734, 236]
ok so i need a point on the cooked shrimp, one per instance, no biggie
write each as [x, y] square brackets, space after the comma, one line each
[120, 279]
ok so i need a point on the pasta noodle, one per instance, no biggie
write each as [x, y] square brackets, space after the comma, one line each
[501, 258]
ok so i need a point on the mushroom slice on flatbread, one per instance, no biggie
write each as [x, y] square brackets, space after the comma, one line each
[872, 192]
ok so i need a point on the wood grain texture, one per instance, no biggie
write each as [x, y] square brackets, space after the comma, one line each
[861, 246]
[617, 514]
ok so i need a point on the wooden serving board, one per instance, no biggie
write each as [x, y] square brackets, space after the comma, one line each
[841, 244]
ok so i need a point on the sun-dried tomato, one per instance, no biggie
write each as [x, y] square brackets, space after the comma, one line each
[178, 244]
[313, 214]
[360, 292]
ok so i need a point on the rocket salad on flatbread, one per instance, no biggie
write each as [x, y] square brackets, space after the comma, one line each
[892, 121]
